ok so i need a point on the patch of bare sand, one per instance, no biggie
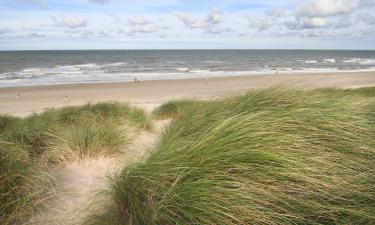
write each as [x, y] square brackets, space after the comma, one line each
[78, 182]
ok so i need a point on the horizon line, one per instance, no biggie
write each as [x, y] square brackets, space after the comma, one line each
[188, 49]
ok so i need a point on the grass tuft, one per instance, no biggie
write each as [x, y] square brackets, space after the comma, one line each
[23, 187]
[56, 136]
[172, 109]
[273, 156]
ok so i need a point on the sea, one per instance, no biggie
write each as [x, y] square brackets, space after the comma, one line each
[33, 68]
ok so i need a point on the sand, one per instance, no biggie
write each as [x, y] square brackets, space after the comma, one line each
[79, 182]
[21, 101]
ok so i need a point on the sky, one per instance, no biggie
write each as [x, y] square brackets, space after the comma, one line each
[187, 24]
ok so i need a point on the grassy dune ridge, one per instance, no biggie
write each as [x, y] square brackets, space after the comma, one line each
[273, 156]
[56, 136]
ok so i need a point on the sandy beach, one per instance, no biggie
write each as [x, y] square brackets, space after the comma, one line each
[21, 101]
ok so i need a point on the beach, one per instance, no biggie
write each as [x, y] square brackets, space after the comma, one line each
[22, 101]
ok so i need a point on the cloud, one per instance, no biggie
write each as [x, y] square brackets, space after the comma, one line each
[323, 8]
[212, 23]
[69, 22]
[335, 14]
[100, 1]
[139, 21]
[141, 24]
[270, 18]
[87, 33]
[217, 30]
[366, 18]
[308, 23]
[189, 20]
[344, 21]
[214, 17]
[144, 29]
[316, 22]
[259, 23]
[117, 19]
[275, 13]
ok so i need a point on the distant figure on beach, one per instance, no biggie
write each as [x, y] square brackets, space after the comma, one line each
[66, 99]
[277, 72]
[18, 95]
[136, 80]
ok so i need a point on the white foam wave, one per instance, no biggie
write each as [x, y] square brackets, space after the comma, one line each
[185, 69]
[361, 61]
[114, 64]
[329, 60]
[367, 62]
[311, 61]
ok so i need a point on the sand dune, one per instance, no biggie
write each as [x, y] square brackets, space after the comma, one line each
[78, 182]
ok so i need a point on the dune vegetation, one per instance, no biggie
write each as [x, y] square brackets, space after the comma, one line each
[274, 156]
[28, 145]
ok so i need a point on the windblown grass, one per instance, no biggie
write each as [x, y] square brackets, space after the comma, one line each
[172, 109]
[56, 136]
[74, 132]
[273, 156]
[23, 187]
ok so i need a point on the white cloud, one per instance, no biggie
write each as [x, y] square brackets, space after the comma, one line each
[322, 8]
[214, 17]
[308, 23]
[316, 22]
[69, 22]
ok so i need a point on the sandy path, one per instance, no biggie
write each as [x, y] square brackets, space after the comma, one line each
[78, 182]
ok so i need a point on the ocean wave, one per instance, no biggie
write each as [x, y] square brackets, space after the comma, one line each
[114, 64]
[319, 69]
[360, 61]
[185, 69]
[367, 62]
[311, 61]
[329, 60]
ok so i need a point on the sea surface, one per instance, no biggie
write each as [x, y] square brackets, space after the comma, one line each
[30, 68]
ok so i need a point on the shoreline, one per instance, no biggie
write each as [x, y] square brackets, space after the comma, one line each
[22, 101]
[239, 74]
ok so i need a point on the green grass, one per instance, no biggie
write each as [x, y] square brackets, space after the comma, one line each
[74, 132]
[23, 187]
[59, 135]
[273, 156]
[172, 109]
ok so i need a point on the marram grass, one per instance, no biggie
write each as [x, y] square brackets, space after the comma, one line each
[274, 156]
[56, 136]
[74, 132]
[23, 187]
